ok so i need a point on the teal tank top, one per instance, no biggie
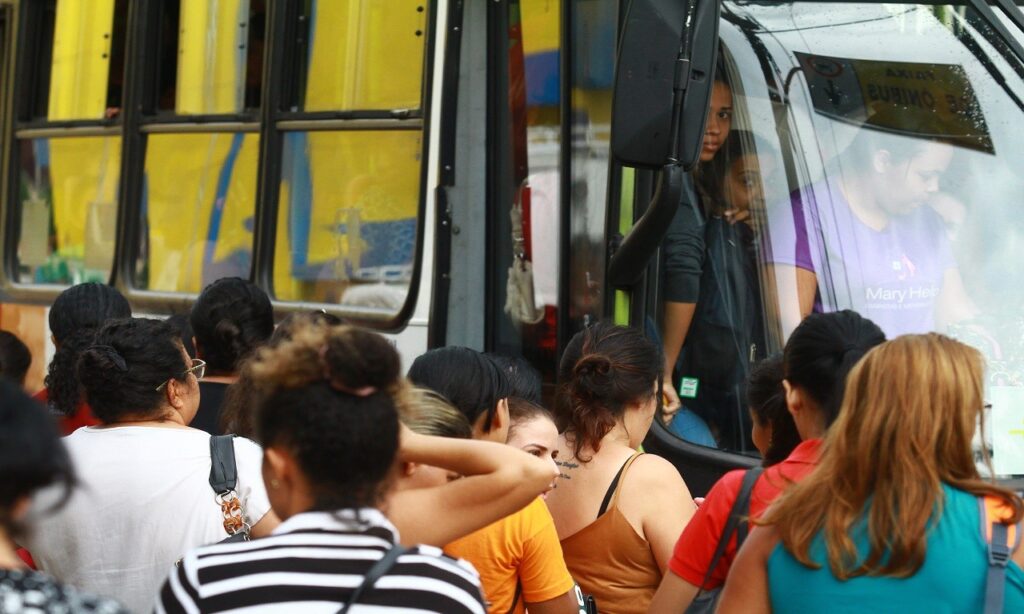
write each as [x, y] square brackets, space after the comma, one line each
[952, 578]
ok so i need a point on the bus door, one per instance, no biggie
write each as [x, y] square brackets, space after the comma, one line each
[871, 160]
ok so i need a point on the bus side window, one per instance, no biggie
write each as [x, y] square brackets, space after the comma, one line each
[210, 56]
[67, 184]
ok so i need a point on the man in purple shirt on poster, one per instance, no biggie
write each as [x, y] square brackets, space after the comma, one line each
[861, 239]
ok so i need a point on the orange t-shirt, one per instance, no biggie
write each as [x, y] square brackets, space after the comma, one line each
[522, 547]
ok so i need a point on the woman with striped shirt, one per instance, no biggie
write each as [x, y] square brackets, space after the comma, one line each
[332, 446]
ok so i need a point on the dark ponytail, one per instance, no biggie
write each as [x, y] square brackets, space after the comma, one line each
[767, 400]
[329, 397]
[126, 363]
[821, 352]
[603, 369]
[231, 318]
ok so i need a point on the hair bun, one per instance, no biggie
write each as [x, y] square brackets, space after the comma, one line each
[593, 365]
[109, 354]
[357, 359]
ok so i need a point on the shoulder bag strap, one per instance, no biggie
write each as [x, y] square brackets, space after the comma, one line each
[223, 472]
[740, 507]
[223, 480]
[996, 536]
[375, 573]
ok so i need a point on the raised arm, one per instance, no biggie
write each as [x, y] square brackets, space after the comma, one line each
[498, 480]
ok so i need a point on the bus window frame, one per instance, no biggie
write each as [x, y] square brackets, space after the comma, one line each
[138, 118]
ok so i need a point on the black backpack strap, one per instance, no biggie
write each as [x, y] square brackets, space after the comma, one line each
[223, 472]
[375, 573]
[740, 508]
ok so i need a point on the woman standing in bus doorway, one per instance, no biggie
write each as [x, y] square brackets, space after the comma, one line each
[817, 357]
[726, 332]
[617, 511]
[892, 518]
[684, 246]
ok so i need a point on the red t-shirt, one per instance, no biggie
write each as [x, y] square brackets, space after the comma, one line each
[69, 424]
[696, 546]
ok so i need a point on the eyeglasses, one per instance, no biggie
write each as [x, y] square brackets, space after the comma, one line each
[198, 369]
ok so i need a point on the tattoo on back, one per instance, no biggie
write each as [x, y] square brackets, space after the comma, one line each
[566, 466]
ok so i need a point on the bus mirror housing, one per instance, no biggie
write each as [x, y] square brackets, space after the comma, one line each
[664, 73]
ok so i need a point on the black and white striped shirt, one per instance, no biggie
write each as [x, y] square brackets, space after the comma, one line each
[312, 563]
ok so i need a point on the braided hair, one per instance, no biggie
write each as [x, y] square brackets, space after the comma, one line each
[75, 316]
[231, 318]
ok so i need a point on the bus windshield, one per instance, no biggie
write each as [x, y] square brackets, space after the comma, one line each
[871, 154]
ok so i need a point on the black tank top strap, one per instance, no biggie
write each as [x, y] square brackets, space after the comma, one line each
[615, 484]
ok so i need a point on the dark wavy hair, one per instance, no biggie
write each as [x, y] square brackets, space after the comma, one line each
[766, 398]
[75, 316]
[31, 453]
[604, 368]
[821, 352]
[470, 380]
[231, 318]
[127, 361]
[15, 359]
[328, 396]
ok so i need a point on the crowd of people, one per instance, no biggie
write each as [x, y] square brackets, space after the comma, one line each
[349, 485]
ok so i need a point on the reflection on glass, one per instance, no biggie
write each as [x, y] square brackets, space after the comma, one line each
[87, 59]
[593, 52]
[528, 252]
[197, 209]
[217, 49]
[903, 185]
[68, 194]
[350, 44]
[346, 231]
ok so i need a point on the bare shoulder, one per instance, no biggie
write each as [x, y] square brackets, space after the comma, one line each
[656, 481]
[653, 470]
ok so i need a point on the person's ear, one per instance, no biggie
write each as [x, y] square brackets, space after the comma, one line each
[882, 160]
[501, 420]
[408, 469]
[174, 394]
[20, 508]
[279, 467]
[794, 398]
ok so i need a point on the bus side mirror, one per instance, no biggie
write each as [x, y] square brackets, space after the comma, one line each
[664, 74]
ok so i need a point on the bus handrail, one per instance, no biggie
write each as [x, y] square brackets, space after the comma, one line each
[630, 259]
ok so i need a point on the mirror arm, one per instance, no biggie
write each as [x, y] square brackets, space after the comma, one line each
[629, 261]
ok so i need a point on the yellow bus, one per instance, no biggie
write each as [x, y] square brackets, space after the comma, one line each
[443, 170]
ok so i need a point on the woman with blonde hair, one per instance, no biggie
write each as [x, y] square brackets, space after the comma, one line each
[891, 518]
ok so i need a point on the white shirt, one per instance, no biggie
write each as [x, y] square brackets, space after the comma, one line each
[143, 501]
